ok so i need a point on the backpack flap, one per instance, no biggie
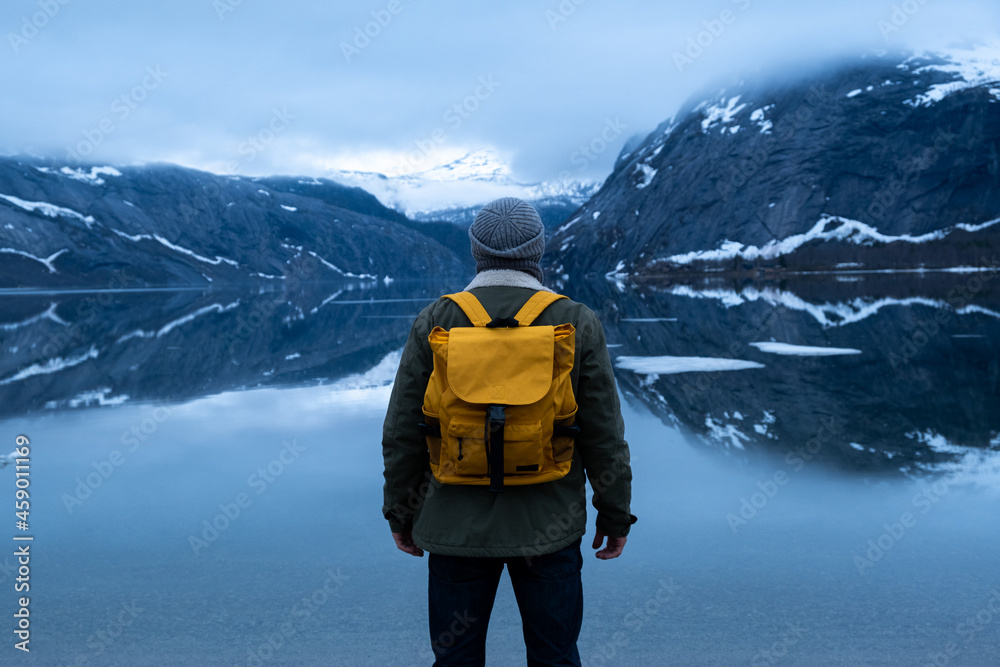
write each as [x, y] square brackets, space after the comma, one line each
[501, 366]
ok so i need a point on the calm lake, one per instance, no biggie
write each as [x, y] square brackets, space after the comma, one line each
[817, 476]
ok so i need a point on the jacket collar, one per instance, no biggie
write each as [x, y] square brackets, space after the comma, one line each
[505, 278]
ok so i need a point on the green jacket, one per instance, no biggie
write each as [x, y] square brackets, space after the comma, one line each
[525, 520]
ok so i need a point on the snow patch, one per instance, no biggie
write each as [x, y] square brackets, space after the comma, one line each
[758, 117]
[828, 228]
[971, 68]
[173, 246]
[647, 175]
[333, 267]
[47, 261]
[93, 177]
[716, 114]
[727, 434]
[49, 210]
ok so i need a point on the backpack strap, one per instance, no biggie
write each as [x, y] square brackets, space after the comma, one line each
[535, 305]
[471, 307]
[474, 310]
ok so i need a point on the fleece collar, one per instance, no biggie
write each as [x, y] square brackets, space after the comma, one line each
[506, 278]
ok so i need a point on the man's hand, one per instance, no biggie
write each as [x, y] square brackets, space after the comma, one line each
[404, 542]
[614, 549]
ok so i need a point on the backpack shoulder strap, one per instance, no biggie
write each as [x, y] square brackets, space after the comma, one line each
[535, 305]
[471, 307]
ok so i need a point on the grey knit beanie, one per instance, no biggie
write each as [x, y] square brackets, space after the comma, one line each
[508, 234]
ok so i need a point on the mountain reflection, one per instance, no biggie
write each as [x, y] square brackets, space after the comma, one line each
[872, 374]
[70, 350]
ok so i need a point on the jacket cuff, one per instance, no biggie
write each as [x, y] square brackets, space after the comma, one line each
[397, 527]
[615, 529]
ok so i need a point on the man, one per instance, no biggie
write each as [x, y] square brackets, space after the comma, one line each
[535, 530]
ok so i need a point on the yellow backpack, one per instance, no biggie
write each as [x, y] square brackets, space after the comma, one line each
[499, 406]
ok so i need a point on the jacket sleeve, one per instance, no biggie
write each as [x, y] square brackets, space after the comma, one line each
[404, 450]
[601, 440]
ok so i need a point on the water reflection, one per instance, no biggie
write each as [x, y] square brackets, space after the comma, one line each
[880, 374]
[79, 349]
[215, 517]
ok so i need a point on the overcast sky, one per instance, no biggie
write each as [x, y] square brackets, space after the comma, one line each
[297, 87]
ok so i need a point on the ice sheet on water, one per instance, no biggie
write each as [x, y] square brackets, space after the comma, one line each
[803, 350]
[667, 365]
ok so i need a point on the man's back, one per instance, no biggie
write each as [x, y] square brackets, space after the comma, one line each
[534, 530]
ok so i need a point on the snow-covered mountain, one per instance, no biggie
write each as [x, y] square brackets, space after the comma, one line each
[161, 225]
[884, 162]
[457, 190]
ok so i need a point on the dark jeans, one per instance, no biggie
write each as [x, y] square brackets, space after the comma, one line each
[549, 595]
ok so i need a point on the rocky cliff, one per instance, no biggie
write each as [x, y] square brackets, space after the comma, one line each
[888, 162]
